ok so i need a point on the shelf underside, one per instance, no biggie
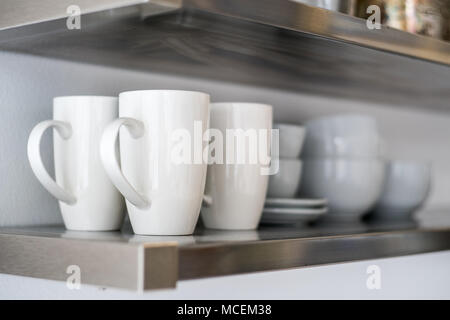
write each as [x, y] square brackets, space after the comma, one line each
[194, 43]
[124, 260]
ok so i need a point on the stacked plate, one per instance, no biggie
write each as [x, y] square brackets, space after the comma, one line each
[292, 210]
[282, 205]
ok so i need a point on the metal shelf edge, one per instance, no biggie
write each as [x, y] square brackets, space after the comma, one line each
[329, 24]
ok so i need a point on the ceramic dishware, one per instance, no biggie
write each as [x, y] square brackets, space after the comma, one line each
[236, 191]
[351, 186]
[348, 135]
[291, 215]
[291, 138]
[162, 182]
[87, 199]
[406, 187]
[285, 183]
[294, 203]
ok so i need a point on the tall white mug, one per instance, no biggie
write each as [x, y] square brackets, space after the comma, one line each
[236, 188]
[163, 190]
[87, 199]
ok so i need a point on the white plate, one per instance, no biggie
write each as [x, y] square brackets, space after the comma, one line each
[294, 203]
[291, 215]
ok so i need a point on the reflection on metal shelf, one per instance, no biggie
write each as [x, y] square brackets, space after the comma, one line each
[195, 43]
[289, 15]
[124, 260]
[102, 260]
[333, 25]
[14, 13]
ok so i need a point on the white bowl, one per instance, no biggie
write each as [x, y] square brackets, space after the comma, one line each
[344, 147]
[406, 187]
[291, 138]
[352, 187]
[343, 136]
[286, 182]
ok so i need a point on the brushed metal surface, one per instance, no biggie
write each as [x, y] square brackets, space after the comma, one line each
[330, 24]
[122, 259]
[199, 44]
[284, 14]
[209, 260]
[102, 263]
[15, 13]
[160, 266]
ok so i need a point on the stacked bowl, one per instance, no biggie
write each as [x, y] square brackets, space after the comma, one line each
[342, 161]
[282, 204]
[406, 187]
[286, 150]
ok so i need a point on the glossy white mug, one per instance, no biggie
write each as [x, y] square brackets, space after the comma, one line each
[87, 199]
[163, 197]
[235, 193]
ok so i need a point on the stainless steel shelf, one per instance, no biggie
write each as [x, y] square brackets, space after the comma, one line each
[124, 260]
[284, 14]
[18, 13]
[330, 24]
[273, 43]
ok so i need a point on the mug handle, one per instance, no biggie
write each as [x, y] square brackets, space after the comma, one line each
[34, 157]
[111, 163]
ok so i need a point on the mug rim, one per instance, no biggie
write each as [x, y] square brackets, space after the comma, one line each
[84, 97]
[162, 90]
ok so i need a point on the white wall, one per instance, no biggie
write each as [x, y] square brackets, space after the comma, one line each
[27, 85]
[424, 276]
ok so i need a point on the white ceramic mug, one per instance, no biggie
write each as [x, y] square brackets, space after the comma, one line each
[163, 196]
[236, 191]
[87, 199]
